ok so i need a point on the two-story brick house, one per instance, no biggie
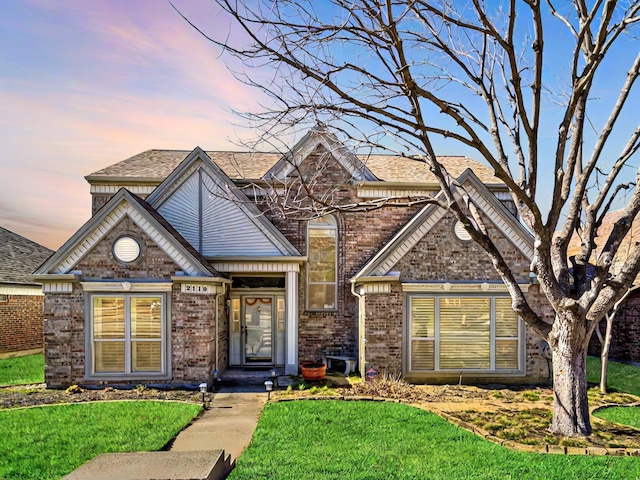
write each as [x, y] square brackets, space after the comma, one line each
[201, 261]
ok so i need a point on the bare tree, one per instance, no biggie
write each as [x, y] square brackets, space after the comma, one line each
[516, 81]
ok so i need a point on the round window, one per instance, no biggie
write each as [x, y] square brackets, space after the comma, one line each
[126, 249]
[461, 233]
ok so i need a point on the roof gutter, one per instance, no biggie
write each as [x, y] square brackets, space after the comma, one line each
[375, 279]
[106, 179]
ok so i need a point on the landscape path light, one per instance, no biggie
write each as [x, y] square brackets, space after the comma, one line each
[268, 385]
[203, 390]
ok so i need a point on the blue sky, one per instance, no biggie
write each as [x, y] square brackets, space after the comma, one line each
[84, 84]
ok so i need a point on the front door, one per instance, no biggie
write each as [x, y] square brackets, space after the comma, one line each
[257, 330]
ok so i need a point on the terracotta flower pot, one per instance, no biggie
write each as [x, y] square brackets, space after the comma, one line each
[313, 371]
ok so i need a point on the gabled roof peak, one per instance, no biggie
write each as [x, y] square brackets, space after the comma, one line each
[125, 203]
[316, 136]
[220, 211]
[383, 262]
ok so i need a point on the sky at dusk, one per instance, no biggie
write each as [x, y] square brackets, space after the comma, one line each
[85, 84]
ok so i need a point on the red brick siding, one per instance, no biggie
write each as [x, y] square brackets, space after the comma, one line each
[441, 256]
[21, 323]
[383, 330]
[625, 333]
[192, 316]
[223, 334]
[98, 200]
[360, 236]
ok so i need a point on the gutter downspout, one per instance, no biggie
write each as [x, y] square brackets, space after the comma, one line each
[361, 339]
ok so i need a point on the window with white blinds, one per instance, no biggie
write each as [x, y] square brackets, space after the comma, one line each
[128, 334]
[463, 333]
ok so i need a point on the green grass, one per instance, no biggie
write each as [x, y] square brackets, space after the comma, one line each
[620, 376]
[50, 442]
[623, 415]
[371, 440]
[22, 370]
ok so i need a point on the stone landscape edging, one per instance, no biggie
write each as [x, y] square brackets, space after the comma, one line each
[521, 447]
[84, 402]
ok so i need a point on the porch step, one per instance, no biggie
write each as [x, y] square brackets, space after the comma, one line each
[172, 465]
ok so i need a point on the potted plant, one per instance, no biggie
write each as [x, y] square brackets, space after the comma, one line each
[313, 371]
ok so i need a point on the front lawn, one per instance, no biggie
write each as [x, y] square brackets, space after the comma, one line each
[620, 376]
[357, 440]
[50, 442]
[622, 415]
[22, 370]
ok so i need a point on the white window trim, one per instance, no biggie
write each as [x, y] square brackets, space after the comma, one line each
[148, 288]
[334, 227]
[165, 373]
[436, 338]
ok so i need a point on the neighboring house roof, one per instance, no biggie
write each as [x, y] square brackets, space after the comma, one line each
[414, 230]
[222, 220]
[122, 204]
[19, 257]
[626, 247]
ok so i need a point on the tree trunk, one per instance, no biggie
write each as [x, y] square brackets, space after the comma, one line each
[571, 407]
[604, 357]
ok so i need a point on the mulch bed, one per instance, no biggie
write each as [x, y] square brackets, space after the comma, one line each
[36, 395]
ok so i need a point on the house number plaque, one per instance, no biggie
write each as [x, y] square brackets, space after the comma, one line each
[196, 288]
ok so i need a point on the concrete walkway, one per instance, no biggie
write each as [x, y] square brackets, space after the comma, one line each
[205, 450]
[228, 424]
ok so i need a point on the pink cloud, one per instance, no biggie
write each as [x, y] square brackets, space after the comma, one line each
[131, 80]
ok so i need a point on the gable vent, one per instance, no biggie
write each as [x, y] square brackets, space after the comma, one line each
[126, 249]
[460, 232]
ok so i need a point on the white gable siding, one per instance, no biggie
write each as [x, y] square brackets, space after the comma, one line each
[226, 229]
[182, 210]
[215, 225]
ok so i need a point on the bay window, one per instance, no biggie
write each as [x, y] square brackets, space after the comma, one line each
[456, 333]
[128, 334]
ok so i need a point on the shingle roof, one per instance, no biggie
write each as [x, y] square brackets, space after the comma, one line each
[19, 257]
[158, 164]
[394, 168]
[626, 246]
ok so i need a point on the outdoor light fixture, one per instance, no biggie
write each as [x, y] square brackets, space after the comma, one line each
[268, 385]
[216, 379]
[203, 389]
[274, 378]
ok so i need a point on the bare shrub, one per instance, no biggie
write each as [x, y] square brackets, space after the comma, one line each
[386, 385]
